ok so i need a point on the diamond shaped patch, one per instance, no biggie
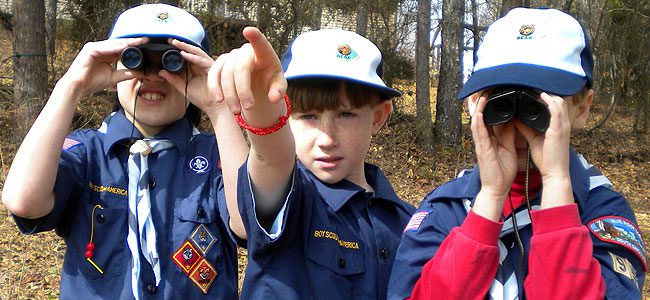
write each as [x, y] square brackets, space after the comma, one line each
[204, 275]
[187, 257]
[203, 238]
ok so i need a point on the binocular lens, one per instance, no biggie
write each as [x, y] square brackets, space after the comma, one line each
[153, 57]
[531, 110]
[500, 108]
[508, 103]
[504, 108]
[132, 58]
[172, 61]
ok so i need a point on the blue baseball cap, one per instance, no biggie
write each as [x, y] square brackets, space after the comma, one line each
[543, 49]
[160, 21]
[337, 54]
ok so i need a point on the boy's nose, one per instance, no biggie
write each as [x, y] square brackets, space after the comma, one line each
[327, 135]
[151, 75]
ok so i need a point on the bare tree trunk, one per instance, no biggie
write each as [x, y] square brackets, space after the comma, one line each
[423, 125]
[510, 4]
[476, 31]
[319, 17]
[448, 110]
[51, 36]
[362, 19]
[30, 63]
[264, 15]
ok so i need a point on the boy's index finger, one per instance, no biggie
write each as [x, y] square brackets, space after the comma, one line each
[261, 46]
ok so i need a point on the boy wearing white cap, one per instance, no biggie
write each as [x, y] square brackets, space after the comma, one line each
[140, 201]
[324, 226]
[509, 228]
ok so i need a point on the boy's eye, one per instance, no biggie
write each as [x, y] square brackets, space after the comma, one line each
[347, 114]
[306, 117]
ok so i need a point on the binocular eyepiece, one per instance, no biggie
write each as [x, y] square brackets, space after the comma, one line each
[504, 104]
[153, 56]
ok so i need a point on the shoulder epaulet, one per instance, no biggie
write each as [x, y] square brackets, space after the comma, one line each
[596, 178]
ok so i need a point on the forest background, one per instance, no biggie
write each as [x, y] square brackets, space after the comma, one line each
[428, 48]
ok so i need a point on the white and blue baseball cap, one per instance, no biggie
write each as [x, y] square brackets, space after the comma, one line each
[543, 49]
[160, 21]
[336, 54]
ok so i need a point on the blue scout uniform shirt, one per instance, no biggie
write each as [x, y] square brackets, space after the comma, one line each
[328, 242]
[446, 207]
[188, 208]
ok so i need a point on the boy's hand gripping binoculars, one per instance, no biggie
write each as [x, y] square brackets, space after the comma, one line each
[507, 103]
[153, 56]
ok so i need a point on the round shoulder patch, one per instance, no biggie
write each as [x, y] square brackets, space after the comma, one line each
[620, 231]
[199, 164]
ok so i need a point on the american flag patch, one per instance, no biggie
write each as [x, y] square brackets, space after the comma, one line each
[69, 143]
[416, 220]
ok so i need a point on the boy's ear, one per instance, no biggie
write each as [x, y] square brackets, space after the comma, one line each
[582, 111]
[381, 113]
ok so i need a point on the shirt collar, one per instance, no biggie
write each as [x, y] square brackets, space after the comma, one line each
[338, 194]
[470, 184]
[117, 129]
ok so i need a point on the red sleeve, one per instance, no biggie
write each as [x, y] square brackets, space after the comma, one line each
[465, 264]
[560, 253]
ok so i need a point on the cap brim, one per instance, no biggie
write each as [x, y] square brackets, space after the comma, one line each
[542, 78]
[149, 35]
[384, 91]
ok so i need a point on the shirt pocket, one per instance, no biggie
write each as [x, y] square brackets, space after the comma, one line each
[106, 225]
[196, 232]
[335, 258]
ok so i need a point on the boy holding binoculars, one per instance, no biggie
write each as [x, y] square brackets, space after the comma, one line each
[141, 201]
[509, 228]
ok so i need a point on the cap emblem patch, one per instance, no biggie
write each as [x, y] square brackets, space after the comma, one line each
[526, 30]
[163, 16]
[346, 52]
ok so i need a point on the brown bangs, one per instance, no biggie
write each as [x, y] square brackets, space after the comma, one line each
[319, 94]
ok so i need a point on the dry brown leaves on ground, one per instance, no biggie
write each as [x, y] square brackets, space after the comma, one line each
[31, 265]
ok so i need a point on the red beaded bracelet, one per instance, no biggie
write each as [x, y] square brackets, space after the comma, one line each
[268, 130]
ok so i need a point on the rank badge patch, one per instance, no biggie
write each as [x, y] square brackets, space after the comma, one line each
[623, 266]
[203, 238]
[204, 275]
[187, 257]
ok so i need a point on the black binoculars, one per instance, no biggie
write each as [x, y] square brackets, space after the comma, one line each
[504, 104]
[153, 56]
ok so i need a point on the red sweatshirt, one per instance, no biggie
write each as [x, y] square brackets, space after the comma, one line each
[466, 263]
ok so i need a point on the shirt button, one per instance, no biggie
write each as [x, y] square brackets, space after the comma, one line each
[151, 289]
[341, 262]
[371, 203]
[100, 218]
[200, 212]
[152, 183]
[384, 253]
